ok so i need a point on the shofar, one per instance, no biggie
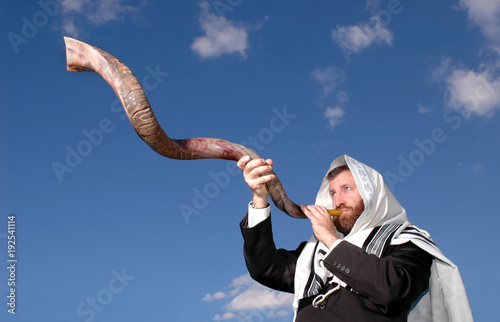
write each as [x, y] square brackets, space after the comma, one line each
[81, 56]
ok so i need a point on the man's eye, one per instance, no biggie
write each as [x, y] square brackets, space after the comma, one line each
[333, 194]
[347, 188]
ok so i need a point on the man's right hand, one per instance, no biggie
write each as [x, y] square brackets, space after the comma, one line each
[254, 174]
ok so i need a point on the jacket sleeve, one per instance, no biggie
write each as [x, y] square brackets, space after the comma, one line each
[274, 268]
[390, 282]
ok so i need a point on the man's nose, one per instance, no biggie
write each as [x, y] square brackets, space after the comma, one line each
[338, 200]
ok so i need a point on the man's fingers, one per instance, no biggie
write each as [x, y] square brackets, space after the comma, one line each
[306, 211]
[243, 161]
[256, 168]
[261, 180]
[261, 170]
[257, 171]
[246, 163]
[314, 211]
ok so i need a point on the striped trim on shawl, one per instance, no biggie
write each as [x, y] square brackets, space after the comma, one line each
[379, 239]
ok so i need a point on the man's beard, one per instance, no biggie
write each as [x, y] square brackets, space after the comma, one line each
[343, 223]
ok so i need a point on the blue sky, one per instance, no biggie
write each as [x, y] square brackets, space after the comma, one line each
[411, 88]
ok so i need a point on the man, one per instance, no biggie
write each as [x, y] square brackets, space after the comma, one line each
[368, 264]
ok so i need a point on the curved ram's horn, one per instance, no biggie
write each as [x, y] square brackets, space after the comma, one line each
[81, 56]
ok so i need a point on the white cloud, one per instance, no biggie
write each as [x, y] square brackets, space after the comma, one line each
[104, 11]
[486, 15]
[469, 91]
[277, 314]
[422, 109]
[225, 316]
[334, 115]
[478, 166]
[373, 4]
[72, 5]
[69, 28]
[475, 167]
[94, 12]
[242, 280]
[250, 299]
[222, 36]
[441, 72]
[342, 97]
[354, 39]
[329, 78]
[215, 296]
[258, 297]
[472, 92]
[475, 91]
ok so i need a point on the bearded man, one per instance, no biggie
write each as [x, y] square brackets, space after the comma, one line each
[368, 264]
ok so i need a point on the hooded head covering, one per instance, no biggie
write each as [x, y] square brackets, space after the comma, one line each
[445, 300]
[381, 207]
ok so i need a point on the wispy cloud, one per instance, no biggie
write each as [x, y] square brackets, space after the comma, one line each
[441, 72]
[222, 36]
[342, 97]
[248, 298]
[486, 15]
[422, 109]
[225, 316]
[478, 166]
[475, 167]
[373, 4]
[215, 296]
[334, 115]
[94, 12]
[356, 38]
[329, 79]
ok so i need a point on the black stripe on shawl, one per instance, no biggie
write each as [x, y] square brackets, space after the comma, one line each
[379, 239]
[370, 237]
[416, 232]
[312, 277]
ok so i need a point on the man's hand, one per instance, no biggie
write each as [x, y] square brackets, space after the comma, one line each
[322, 224]
[254, 174]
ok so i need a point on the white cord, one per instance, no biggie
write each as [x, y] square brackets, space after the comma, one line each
[318, 300]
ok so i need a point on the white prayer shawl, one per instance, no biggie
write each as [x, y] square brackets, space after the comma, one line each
[445, 300]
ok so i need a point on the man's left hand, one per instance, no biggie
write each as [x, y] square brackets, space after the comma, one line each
[322, 224]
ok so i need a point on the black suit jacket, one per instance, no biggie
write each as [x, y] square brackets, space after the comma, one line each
[379, 289]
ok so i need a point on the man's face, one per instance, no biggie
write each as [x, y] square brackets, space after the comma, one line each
[346, 197]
